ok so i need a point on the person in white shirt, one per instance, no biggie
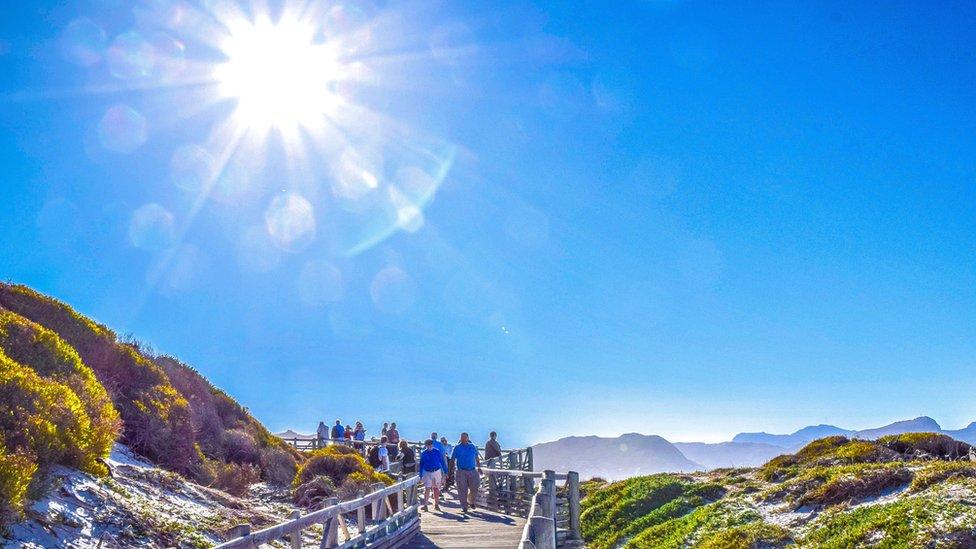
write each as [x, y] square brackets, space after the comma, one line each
[384, 455]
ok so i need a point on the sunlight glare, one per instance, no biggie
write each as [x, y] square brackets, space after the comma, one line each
[278, 74]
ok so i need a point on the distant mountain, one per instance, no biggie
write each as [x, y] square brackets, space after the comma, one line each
[611, 458]
[922, 424]
[966, 434]
[729, 454]
[795, 439]
[289, 434]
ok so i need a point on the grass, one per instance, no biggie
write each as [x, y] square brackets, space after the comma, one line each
[910, 522]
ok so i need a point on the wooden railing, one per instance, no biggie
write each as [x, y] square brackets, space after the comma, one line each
[391, 524]
[552, 512]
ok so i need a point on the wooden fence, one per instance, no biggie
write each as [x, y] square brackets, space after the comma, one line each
[552, 511]
[390, 524]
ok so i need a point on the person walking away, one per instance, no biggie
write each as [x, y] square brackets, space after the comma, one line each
[449, 458]
[431, 473]
[408, 458]
[492, 448]
[386, 427]
[468, 470]
[322, 433]
[338, 431]
[373, 456]
[384, 455]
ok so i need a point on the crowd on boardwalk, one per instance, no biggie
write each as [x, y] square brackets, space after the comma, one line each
[440, 464]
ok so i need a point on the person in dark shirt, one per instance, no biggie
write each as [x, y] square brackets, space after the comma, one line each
[373, 457]
[492, 448]
[408, 458]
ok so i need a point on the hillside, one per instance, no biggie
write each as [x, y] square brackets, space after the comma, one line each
[909, 490]
[613, 458]
[70, 388]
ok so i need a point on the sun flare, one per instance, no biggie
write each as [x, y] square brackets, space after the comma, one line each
[279, 75]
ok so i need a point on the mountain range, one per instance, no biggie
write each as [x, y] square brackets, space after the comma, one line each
[636, 454]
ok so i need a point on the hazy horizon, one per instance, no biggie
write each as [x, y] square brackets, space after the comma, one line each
[674, 218]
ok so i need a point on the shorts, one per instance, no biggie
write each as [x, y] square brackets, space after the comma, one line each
[433, 478]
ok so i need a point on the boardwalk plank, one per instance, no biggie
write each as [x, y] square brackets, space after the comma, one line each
[481, 528]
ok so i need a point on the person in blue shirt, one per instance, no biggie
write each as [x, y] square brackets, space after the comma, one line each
[432, 473]
[468, 464]
[338, 431]
[449, 458]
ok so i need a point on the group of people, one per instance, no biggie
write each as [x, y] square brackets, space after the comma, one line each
[338, 432]
[440, 463]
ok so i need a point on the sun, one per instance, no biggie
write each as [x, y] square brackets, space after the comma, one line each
[278, 74]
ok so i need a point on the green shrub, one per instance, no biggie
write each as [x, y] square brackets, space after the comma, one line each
[278, 466]
[235, 478]
[755, 535]
[835, 450]
[312, 493]
[856, 486]
[16, 473]
[942, 471]
[45, 420]
[50, 357]
[337, 463]
[625, 509]
[931, 445]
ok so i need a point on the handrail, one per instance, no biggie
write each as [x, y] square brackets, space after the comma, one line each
[404, 519]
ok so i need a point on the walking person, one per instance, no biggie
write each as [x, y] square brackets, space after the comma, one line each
[386, 427]
[393, 436]
[431, 473]
[338, 431]
[347, 435]
[468, 470]
[408, 458]
[449, 457]
[492, 448]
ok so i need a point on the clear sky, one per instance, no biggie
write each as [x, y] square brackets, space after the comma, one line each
[671, 217]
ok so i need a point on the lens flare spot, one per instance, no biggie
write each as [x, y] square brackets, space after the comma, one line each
[257, 252]
[170, 57]
[122, 129]
[192, 168]
[353, 180]
[393, 291]
[319, 283]
[290, 221]
[151, 228]
[131, 57]
[83, 42]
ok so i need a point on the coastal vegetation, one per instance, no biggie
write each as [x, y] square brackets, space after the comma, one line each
[909, 490]
[70, 388]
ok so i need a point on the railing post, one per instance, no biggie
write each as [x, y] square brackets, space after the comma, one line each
[330, 534]
[378, 507]
[572, 486]
[543, 532]
[528, 458]
[549, 489]
[296, 536]
[361, 513]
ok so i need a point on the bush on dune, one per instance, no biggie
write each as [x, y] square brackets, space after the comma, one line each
[16, 473]
[34, 346]
[342, 466]
[156, 419]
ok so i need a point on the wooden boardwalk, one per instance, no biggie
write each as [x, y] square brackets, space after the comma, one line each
[481, 528]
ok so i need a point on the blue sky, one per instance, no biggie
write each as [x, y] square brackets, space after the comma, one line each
[671, 217]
